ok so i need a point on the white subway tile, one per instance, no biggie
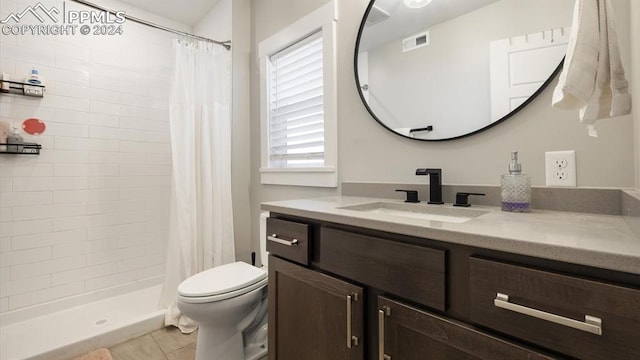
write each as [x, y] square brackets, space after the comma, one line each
[71, 143]
[23, 111]
[67, 130]
[77, 222]
[112, 280]
[145, 170]
[70, 196]
[102, 207]
[11, 288]
[4, 304]
[143, 124]
[85, 170]
[139, 263]
[103, 182]
[6, 215]
[128, 182]
[11, 170]
[142, 147]
[65, 102]
[90, 272]
[63, 156]
[97, 119]
[105, 108]
[5, 274]
[137, 239]
[111, 256]
[159, 180]
[133, 111]
[26, 227]
[100, 132]
[100, 232]
[158, 137]
[23, 271]
[49, 183]
[10, 199]
[48, 211]
[104, 95]
[5, 244]
[18, 258]
[6, 185]
[103, 195]
[40, 296]
[70, 90]
[40, 241]
[155, 270]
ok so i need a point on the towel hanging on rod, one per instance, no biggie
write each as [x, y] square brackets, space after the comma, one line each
[593, 79]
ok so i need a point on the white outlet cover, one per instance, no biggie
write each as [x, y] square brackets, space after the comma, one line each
[560, 168]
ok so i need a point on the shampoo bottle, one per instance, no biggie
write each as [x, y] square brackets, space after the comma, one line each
[516, 188]
[16, 141]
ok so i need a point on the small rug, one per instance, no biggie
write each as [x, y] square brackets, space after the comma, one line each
[100, 354]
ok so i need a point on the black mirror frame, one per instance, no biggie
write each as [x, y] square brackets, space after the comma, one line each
[499, 121]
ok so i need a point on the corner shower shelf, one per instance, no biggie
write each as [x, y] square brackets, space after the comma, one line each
[25, 149]
[21, 88]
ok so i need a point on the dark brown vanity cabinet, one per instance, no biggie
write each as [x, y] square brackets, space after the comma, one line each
[408, 333]
[341, 292]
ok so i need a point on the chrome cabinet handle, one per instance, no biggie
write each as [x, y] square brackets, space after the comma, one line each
[591, 324]
[351, 340]
[275, 238]
[385, 311]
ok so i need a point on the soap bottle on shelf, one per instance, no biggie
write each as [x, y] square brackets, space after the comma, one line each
[516, 188]
[15, 140]
[34, 78]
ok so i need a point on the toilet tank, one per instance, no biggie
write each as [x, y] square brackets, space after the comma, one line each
[264, 255]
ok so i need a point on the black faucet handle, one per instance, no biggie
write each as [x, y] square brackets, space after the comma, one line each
[412, 196]
[462, 198]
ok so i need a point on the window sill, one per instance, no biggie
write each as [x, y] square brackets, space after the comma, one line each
[316, 177]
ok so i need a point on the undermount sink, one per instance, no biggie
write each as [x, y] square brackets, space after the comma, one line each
[444, 213]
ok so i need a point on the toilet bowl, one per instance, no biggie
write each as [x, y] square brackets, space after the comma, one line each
[229, 303]
[224, 301]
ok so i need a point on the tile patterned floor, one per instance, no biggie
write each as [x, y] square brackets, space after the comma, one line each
[164, 344]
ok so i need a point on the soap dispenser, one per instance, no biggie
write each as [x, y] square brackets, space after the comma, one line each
[516, 188]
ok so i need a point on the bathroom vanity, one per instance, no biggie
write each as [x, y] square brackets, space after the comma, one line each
[350, 281]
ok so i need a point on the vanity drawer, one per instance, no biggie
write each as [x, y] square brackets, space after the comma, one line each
[288, 240]
[413, 272]
[578, 317]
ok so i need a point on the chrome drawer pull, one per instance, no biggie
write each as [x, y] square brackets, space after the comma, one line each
[385, 311]
[351, 340]
[591, 324]
[275, 238]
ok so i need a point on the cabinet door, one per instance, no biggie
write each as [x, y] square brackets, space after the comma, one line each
[313, 316]
[407, 333]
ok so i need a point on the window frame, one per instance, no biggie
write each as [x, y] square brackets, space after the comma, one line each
[323, 19]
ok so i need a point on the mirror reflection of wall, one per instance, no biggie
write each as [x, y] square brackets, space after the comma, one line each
[450, 78]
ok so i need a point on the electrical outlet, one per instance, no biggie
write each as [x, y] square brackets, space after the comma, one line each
[560, 168]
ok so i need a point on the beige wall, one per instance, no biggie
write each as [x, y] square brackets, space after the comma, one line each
[230, 20]
[368, 152]
[635, 79]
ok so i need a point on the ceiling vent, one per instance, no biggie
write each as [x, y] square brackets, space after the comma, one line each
[376, 15]
[415, 41]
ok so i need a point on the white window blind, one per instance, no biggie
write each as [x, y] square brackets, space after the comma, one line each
[296, 105]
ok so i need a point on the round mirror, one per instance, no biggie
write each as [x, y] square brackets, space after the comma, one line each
[444, 69]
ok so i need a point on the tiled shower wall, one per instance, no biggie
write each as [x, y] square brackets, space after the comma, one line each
[89, 215]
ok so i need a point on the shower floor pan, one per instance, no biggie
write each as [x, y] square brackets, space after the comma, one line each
[66, 334]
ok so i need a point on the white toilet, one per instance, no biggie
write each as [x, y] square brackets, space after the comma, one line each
[229, 302]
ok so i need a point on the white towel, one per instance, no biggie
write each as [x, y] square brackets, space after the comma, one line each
[592, 79]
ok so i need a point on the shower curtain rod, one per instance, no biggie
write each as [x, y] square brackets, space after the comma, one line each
[226, 43]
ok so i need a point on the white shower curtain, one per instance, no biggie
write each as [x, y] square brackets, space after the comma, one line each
[201, 220]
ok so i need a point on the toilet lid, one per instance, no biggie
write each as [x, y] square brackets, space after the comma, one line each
[221, 279]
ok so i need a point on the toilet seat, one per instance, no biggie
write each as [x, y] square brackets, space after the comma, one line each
[222, 282]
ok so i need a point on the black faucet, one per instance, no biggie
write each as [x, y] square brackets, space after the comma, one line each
[435, 184]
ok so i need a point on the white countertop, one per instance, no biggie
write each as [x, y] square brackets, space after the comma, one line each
[603, 241]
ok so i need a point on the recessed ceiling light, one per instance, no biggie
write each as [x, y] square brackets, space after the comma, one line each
[416, 4]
